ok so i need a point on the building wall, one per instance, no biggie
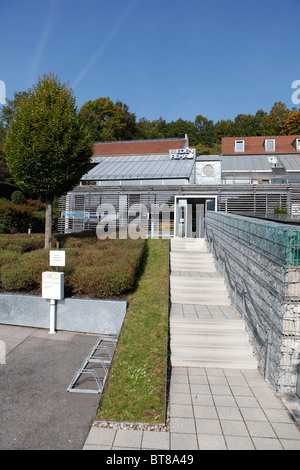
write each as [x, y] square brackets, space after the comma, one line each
[206, 172]
[79, 207]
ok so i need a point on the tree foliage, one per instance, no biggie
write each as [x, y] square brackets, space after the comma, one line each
[48, 146]
[109, 121]
[292, 124]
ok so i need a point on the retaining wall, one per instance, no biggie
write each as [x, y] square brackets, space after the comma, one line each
[260, 262]
[78, 315]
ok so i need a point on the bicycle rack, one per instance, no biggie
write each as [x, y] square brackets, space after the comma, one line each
[100, 355]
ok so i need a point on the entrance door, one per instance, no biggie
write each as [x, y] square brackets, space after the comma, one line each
[190, 212]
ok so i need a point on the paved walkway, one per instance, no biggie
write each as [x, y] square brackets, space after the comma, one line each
[211, 408]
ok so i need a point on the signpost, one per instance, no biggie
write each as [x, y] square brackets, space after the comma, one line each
[53, 285]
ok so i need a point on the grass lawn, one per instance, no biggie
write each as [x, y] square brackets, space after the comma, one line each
[135, 390]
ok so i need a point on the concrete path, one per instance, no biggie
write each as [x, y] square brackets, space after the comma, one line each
[218, 399]
[211, 409]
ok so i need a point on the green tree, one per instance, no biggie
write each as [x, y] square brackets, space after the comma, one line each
[205, 131]
[291, 125]
[108, 121]
[272, 123]
[223, 128]
[178, 129]
[8, 111]
[152, 129]
[48, 147]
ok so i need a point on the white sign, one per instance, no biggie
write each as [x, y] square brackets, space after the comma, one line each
[52, 285]
[57, 258]
[182, 154]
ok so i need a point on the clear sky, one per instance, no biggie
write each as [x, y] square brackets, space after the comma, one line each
[163, 58]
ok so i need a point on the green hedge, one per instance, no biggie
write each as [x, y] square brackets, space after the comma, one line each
[94, 268]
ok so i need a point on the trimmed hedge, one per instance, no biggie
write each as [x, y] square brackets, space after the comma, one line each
[94, 268]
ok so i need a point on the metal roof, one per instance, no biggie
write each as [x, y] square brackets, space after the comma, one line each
[290, 162]
[245, 163]
[140, 167]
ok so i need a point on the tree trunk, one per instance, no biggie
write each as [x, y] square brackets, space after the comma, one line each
[48, 223]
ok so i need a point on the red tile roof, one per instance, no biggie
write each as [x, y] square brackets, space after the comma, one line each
[138, 147]
[256, 145]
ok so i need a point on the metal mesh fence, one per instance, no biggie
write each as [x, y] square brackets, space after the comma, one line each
[260, 262]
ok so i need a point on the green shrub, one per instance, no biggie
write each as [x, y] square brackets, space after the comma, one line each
[94, 268]
[17, 219]
[25, 274]
[18, 197]
[21, 242]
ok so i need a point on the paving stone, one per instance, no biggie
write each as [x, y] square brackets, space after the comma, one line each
[205, 412]
[253, 414]
[262, 443]
[211, 442]
[156, 440]
[101, 436]
[239, 443]
[183, 425]
[181, 398]
[208, 426]
[127, 438]
[234, 428]
[260, 429]
[181, 411]
[286, 431]
[183, 441]
[290, 444]
[225, 412]
[278, 416]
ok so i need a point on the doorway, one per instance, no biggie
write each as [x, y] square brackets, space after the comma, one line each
[190, 215]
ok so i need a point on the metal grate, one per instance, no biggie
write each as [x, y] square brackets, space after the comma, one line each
[91, 376]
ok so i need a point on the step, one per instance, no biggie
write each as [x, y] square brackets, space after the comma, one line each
[213, 350]
[207, 324]
[218, 337]
[197, 268]
[188, 360]
[180, 254]
[206, 283]
[196, 281]
[192, 260]
[208, 287]
[194, 298]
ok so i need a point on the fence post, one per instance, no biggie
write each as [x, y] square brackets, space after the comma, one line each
[269, 342]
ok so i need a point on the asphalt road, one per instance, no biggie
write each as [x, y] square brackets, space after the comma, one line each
[36, 410]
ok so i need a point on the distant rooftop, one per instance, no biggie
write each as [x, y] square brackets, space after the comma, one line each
[136, 147]
[280, 144]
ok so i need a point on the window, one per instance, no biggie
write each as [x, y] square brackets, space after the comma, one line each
[239, 146]
[270, 145]
[208, 170]
[298, 144]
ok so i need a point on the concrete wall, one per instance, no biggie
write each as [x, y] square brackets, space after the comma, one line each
[259, 260]
[79, 315]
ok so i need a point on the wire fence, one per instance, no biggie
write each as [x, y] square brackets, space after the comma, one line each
[260, 262]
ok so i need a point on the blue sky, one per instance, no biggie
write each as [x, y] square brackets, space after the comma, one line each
[163, 58]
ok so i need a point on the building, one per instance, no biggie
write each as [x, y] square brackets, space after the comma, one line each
[164, 188]
[261, 160]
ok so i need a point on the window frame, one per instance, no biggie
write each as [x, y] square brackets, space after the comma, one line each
[239, 141]
[273, 145]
